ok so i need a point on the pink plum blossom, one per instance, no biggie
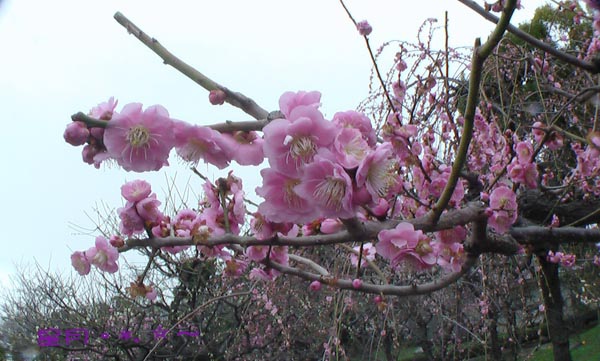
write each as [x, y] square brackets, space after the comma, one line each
[368, 254]
[355, 120]
[140, 140]
[262, 275]
[350, 148]
[404, 243]
[246, 148]
[525, 173]
[105, 110]
[136, 190]
[291, 144]
[282, 202]
[131, 222]
[330, 225]
[568, 260]
[193, 142]
[328, 186]
[257, 253]
[290, 100]
[356, 283]
[103, 255]
[378, 172]
[451, 256]
[503, 204]
[80, 262]
[148, 210]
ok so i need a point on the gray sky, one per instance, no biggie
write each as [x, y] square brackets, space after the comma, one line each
[63, 56]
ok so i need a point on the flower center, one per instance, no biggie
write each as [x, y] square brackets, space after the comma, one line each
[423, 248]
[289, 196]
[303, 148]
[382, 176]
[138, 136]
[330, 192]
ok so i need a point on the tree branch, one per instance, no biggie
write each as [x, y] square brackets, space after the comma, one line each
[591, 67]
[234, 98]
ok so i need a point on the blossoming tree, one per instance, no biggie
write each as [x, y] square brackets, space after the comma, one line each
[434, 174]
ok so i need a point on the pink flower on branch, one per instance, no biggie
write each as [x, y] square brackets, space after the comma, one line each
[503, 204]
[80, 262]
[364, 28]
[140, 140]
[290, 100]
[103, 255]
[291, 143]
[404, 243]
[328, 186]
[282, 202]
[193, 143]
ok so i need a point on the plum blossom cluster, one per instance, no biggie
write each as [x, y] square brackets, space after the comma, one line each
[564, 259]
[141, 140]
[320, 172]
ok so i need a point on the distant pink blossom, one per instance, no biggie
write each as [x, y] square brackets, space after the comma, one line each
[568, 260]
[103, 255]
[151, 293]
[503, 204]
[368, 254]
[524, 173]
[257, 253]
[364, 28]
[136, 190]
[356, 283]
[80, 262]
[140, 140]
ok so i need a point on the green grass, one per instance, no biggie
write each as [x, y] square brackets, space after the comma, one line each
[584, 346]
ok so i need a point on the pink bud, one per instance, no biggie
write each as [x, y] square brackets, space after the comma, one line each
[76, 133]
[315, 286]
[364, 28]
[356, 283]
[116, 241]
[217, 97]
[378, 299]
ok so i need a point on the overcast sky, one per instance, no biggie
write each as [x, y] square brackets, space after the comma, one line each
[64, 56]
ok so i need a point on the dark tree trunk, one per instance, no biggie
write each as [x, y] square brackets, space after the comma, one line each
[553, 301]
